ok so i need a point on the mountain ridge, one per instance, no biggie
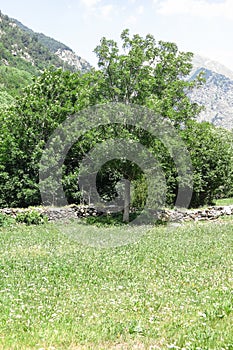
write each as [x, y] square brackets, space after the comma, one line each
[25, 53]
[216, 94]
[64, 52]
[217, 67]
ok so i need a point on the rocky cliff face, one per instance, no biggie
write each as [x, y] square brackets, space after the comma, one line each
[216, 94]
[203, 62]
[72, 59]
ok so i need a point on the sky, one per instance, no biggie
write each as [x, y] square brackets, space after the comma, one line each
[204, 27]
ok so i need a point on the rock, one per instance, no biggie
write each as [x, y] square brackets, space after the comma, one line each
[227, 211]
[216, 93]
[75, 211]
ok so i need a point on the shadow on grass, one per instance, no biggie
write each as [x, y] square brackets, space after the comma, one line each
[116, 219]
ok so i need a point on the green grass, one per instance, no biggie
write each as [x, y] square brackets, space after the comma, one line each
[224, 201]
[172, 289]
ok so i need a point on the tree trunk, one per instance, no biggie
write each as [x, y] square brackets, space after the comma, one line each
[126, 201]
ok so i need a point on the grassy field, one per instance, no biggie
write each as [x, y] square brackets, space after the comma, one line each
[224, 201]
[171, 290]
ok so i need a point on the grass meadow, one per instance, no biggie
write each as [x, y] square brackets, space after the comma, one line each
[173, 289]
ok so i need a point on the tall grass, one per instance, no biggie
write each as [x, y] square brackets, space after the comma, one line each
[171, 290]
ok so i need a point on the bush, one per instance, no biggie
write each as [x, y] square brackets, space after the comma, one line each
[31, 217]
[6, 220]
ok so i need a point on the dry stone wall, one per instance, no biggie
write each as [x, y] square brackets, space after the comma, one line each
[75, 211]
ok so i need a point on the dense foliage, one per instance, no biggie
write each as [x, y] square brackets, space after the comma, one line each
[143, 73]
[211, 151]
[14, 80]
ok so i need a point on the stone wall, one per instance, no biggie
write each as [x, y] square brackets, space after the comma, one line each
[56, 213]
[75, 211]
[211, 213]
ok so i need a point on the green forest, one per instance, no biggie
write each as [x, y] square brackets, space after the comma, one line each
[142, 72]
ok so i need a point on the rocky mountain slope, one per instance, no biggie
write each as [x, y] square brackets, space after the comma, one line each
[24, 54]
[216, 94]
[66, 54]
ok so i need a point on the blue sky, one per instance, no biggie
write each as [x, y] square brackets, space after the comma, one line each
[200, 26]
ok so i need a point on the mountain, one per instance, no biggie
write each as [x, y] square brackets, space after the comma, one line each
[24, 54]
[216, 94]
[204, 62]
[67, 55]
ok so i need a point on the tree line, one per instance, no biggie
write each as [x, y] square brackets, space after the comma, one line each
[142, 72]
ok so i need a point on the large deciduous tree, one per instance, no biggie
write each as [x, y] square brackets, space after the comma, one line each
[149, 73]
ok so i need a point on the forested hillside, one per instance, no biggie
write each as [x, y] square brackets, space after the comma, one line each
[25, 54]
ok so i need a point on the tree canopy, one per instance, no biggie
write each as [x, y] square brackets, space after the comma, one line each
[147, 73]
[142, 72]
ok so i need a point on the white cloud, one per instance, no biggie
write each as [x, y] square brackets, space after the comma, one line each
[200, 8]
[131, 20]
[140, 9]
[96, 9]
[90, 3]
[106, 10]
